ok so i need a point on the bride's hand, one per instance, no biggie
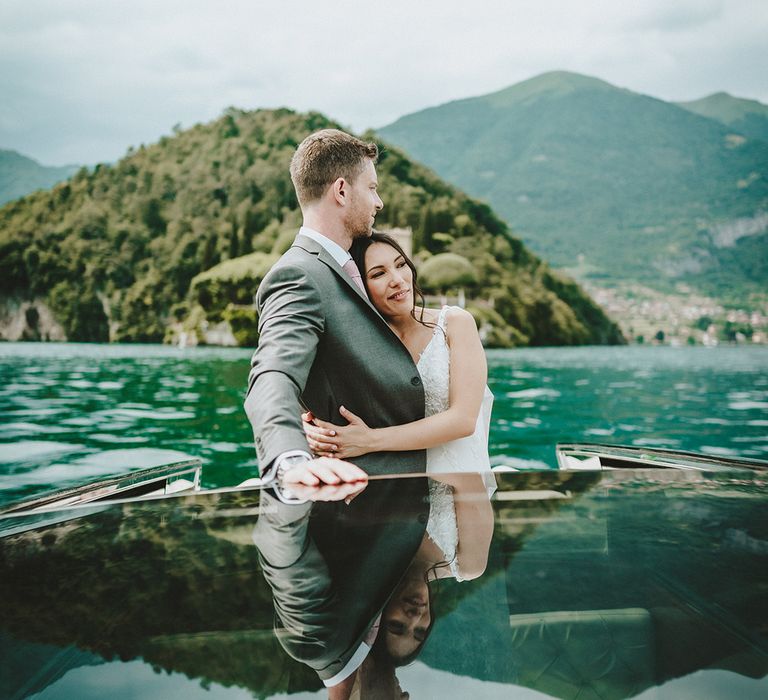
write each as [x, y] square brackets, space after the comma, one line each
[342, 441]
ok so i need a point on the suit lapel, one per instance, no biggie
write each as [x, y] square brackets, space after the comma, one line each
[312, 246]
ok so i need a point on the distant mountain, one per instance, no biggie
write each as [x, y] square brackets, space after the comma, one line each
[117, 252]
[606, 182]
[20, 175]
[748, 117]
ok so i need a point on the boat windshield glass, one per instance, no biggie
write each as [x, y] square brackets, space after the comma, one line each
[614, 583]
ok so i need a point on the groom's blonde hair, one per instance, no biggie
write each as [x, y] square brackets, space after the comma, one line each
[325, 156]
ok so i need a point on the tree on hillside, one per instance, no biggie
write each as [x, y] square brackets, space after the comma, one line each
[446, 271]
[116, 249]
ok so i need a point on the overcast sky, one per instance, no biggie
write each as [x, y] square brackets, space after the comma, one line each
[82, 80]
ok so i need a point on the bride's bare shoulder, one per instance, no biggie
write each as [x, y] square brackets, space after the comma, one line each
[457, 312]
[460, 327]
[460, 319]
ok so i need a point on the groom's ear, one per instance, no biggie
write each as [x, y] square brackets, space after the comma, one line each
[340, 190]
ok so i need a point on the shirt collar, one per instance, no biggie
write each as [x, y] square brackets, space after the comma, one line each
[337, 252]
[350, 667]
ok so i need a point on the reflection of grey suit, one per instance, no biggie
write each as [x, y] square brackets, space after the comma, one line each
[323, 345]
[332, 567]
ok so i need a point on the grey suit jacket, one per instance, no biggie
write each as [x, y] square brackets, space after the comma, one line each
[322, 345]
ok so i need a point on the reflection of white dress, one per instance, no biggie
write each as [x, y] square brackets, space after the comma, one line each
[468, 454]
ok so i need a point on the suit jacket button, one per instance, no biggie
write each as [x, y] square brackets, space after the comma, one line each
[423, 517]
[415, 381]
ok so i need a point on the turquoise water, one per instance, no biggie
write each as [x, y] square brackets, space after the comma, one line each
[74, 413]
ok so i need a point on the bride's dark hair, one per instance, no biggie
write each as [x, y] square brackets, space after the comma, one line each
[358, 250]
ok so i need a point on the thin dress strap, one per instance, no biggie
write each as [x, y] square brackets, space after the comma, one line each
[441, 317]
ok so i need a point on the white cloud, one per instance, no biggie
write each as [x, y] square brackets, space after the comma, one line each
[82, 79]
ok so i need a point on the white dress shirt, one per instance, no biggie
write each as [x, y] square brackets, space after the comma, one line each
[339, 254]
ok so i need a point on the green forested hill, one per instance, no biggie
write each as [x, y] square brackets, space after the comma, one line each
[747, 117]
[181, 232]
[20, 175]
[620, 185]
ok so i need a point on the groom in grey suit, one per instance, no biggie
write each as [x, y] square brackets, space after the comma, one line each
[322, 344]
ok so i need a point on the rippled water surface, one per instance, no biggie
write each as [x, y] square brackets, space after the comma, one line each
[74, 413]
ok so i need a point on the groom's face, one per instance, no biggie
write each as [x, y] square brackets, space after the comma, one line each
[364, 202]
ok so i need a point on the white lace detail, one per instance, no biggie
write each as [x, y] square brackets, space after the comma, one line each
[441, 526]
[465, 454]
[433, 367]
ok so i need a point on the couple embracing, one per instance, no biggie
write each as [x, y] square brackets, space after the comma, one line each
[386, 385]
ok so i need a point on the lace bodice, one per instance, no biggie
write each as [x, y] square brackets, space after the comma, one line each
[465, 454]
[434, 368]
[441, 526]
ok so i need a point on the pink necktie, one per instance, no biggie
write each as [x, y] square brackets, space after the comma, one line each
[352, 270]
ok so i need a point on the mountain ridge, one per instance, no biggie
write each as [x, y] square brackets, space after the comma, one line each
[747, 117]
[20, 175]
[602, 178]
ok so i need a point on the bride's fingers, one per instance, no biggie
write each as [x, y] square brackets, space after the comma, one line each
[320, 445]
[317, 433]
[318, 430]
[351, 417]
[322, 441]
[318, 451]
[321, 453]
[330, 427]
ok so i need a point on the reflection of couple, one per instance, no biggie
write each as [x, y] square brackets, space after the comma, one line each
[342, 335]
[392, 385]
[351, 583]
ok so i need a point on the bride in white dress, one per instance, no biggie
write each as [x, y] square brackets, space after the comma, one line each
[449, 356]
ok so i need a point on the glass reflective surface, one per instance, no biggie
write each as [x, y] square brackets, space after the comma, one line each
[645, 583]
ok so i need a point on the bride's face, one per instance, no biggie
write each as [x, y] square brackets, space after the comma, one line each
[406, 619]
[389, 280]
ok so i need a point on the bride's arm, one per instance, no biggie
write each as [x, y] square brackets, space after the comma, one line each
[474, 521]
[468, 376]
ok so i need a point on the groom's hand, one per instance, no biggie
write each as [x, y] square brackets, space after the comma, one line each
[325, 479]
[324, 470]
[346, 492]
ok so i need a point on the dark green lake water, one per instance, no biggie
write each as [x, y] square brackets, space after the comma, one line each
[74, 413]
